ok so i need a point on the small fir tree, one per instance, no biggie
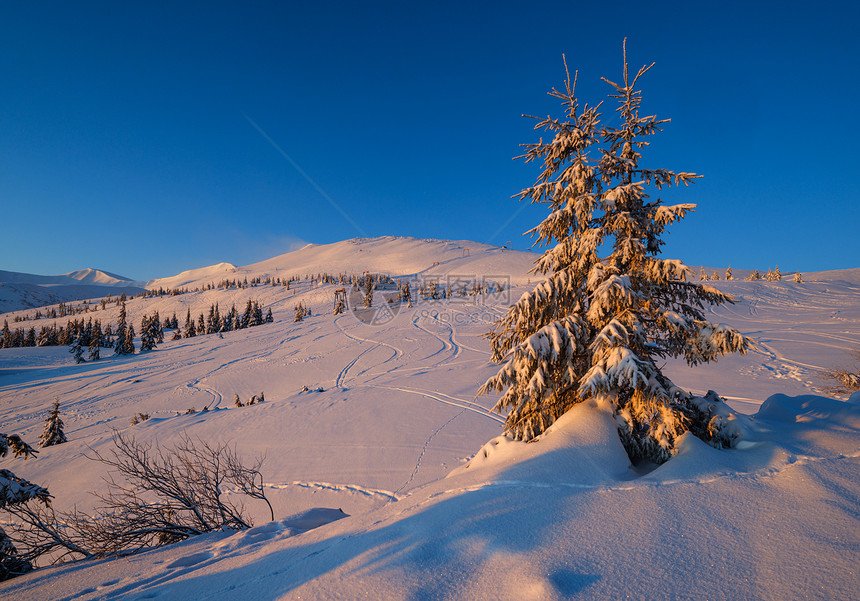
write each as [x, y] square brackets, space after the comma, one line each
[729, 273]
[124, 344]
[597, 328]
[96, 342]
[52, 434]
[147, 334]
[368, 291]
[798, 278]
[190, 329]
[77, 349]
[16, 491]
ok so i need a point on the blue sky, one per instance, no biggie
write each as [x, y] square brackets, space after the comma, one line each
[150, 138]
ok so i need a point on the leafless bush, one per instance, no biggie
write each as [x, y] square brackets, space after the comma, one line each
[843, 380]
[40, 532]
[155, 496]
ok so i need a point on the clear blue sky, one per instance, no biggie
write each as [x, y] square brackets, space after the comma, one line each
[140, 138]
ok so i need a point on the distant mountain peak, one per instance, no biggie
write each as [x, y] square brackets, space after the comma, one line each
[97, 276]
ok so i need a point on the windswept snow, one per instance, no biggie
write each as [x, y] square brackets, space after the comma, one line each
[393, 481]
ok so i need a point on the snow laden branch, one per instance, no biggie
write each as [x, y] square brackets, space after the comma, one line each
[16, 492]
[596, 326]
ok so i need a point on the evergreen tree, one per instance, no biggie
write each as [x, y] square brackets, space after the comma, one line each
[157, 329]
[129, 340]
[53, 434]
[406, 294]
[190, 330]
[798, 277]
[729, 273]
[257, 318]
[368, 290]
[148, 334]
[201, 324]
[217, 326]
[5, 336]
[269, 317]
[16, 491]
[597, 327]
[77, 349]
[246, 316]
[124, 344]
[755, 275]
[96, 341]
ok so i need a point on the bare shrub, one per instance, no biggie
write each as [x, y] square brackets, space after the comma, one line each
[155, 496]
[843, 380]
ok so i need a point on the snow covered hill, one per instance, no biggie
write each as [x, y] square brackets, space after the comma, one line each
[381, 422]
[27, 290]
[82, 276]
[391, 255]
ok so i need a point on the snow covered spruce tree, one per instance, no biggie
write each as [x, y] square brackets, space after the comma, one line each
[124, 335]
[16, 491]
[52, 434]
[597, 327]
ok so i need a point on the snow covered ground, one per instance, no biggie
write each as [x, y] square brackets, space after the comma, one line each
[388, 440]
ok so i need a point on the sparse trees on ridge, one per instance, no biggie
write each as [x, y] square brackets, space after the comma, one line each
[596, 327]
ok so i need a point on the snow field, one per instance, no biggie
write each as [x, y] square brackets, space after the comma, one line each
[388, 442]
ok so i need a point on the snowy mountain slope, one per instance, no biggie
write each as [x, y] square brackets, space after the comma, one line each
[82, 276]
[15, 297]
[26, 290]
[194, 277]
[389, 255]
[845, 275]
[102, 278]
[561, 518]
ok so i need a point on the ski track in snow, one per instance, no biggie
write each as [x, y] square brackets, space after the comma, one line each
[446, 345]
[451, 400]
